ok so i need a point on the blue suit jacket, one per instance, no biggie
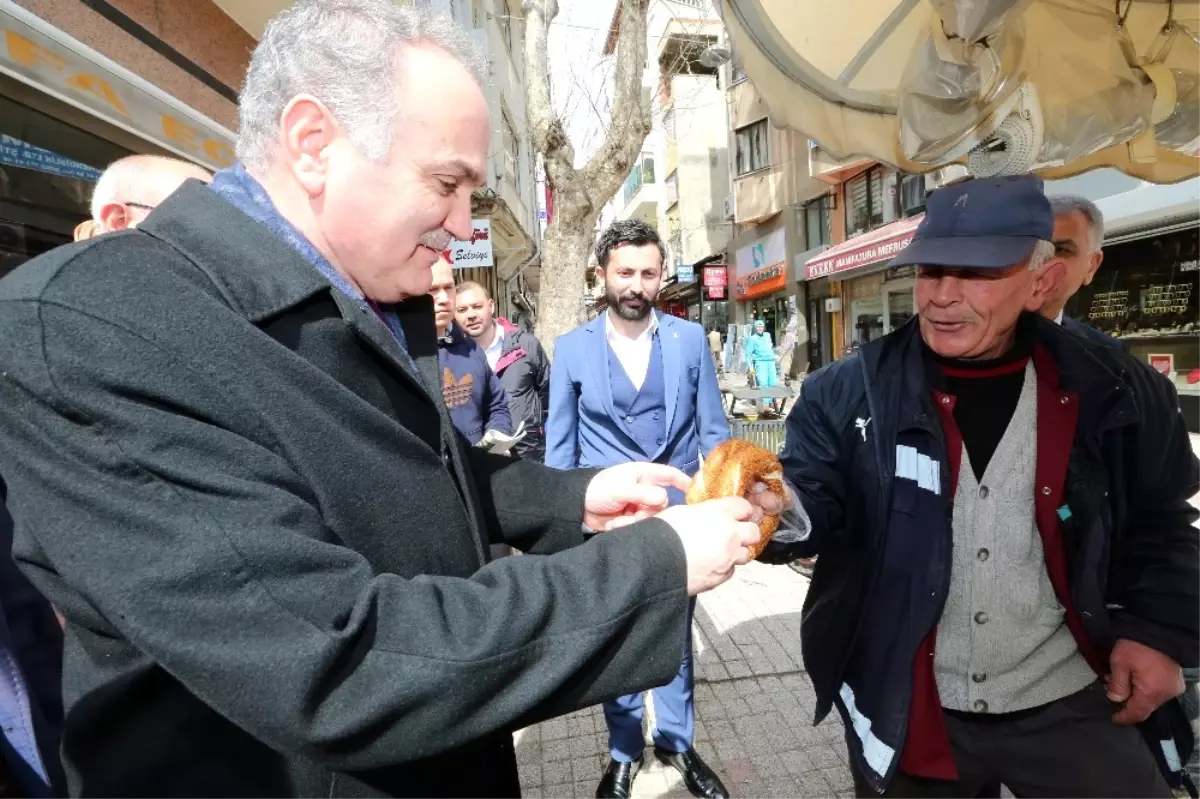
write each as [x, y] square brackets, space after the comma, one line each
[583, 430]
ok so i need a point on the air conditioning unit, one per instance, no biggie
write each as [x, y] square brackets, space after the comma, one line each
[730, 207]
[945, 176]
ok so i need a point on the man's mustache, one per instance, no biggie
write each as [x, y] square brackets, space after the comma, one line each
[438, 240]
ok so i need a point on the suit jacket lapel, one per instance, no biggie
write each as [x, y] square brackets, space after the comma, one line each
[671, 348]
[599, 368]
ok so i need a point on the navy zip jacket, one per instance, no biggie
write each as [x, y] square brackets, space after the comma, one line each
[473, 395]
[1125, 555]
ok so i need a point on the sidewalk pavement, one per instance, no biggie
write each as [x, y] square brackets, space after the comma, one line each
[754, 708]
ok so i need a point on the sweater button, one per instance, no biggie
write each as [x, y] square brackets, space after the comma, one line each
[981, 618]
[983, 492]
[983, 554]
[978, 677]
[1046, 491]
[628, 420]
[980, 706]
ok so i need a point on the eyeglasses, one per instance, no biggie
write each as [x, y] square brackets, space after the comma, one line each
[140, 205]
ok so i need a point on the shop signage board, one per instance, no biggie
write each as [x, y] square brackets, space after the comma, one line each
[715, 292]
[15, 152]
[762, 266]
[685, 273]
[716, 277]
[477, 251]
[41, 56]
[878, 245]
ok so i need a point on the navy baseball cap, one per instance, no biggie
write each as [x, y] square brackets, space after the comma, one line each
[984, 223]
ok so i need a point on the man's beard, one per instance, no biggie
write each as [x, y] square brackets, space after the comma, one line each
[634, 313]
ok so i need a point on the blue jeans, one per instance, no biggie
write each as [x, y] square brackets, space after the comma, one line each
[674, 711]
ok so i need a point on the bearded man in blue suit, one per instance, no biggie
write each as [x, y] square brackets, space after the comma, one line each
[637, 385]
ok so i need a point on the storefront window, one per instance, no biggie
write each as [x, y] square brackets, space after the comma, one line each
[1147, 293]
[868, 319]
[47, 171]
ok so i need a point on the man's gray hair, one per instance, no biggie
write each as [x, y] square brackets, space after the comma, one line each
[343, 53]
[1070, 203]
[1043, 251]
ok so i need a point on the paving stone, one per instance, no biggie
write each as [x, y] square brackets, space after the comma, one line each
[559, 791]
[531, 776]
[529, 753]
[824, 757]
[554, 729]
[553, 751]
[782, 787]
[812, 784]
[839, 778]
[770, 685]
[796, 762]
[738, 771]
[769, 765]
[558, 773]
[738, 669]
[761, 702]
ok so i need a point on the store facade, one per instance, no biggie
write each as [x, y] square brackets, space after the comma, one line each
[1146, 294]
[763, 274]
[67, 111]
[872, 299]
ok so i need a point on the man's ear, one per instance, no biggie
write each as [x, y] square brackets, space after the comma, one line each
[306, 131]
[1045, 281]
[1097, 259]
[114, 216]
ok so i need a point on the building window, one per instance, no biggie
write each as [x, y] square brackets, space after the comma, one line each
[671, 185]
[818, 222]
[912, 195]
[751, 146]
[506, 27]
[872, 200]
[512, 151]
[669, 123]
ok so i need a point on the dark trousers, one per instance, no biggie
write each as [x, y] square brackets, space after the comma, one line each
[1069, 748]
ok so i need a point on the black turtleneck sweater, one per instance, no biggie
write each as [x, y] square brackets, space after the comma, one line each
[985, 392]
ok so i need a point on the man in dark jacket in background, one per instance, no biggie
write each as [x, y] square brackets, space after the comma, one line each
[474, 397]
[518, 360]
[1078, 238]
[30, 673]
[1008, 572]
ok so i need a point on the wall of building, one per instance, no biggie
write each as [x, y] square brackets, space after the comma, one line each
[198, 30]
[703, 165]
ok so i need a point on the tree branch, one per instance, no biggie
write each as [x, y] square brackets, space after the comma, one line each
[630, 121]
[545, 127]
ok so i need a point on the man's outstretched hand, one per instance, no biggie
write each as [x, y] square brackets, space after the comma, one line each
[628, 493]
[1141, 679]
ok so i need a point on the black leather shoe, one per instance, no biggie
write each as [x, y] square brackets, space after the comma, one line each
[617, 782]
[700, 780]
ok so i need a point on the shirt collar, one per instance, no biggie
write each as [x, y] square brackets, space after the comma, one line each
[497, 339]
[1058, 319]
[611, 333]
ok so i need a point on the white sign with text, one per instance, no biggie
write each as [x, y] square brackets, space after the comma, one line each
[477, 251]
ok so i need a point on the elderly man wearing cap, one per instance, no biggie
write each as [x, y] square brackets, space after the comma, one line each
[1007, 581]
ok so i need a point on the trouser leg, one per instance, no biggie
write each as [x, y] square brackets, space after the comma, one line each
[674, 706]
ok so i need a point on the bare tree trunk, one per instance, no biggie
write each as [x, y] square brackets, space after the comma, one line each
[580, 194]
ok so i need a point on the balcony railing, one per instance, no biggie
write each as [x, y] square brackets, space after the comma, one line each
[642, 174]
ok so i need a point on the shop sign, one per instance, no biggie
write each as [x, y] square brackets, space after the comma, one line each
[477, 251]
[15, 152]
[685, 273]
[762, 266]
[716, 277]
[869, 248]
[1163, 363]
[55, 65]
[715, 292]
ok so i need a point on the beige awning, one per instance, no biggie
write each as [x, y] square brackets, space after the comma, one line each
[1057, 86]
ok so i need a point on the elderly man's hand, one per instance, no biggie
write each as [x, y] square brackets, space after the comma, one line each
[629, 492]
[1141, 678]
[767, 503]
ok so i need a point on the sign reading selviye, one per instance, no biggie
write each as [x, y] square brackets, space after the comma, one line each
[477, 251]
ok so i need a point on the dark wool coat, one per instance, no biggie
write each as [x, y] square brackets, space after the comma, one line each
[270, 544]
